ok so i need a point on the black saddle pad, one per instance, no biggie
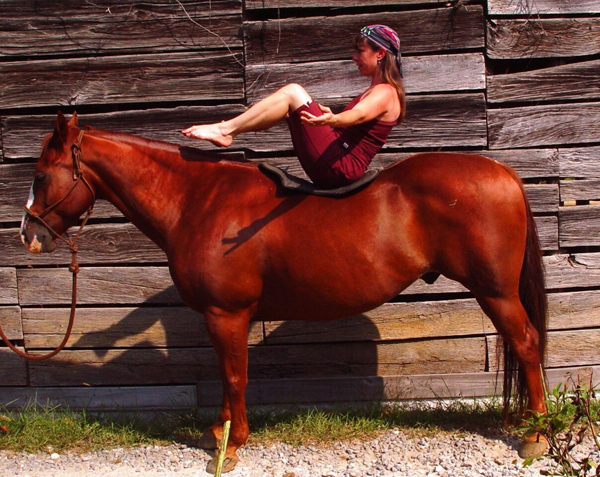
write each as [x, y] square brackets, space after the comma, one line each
[291, 182]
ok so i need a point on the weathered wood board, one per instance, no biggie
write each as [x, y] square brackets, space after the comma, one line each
[585, 189]
[125, 398]
[107, 27]
[579, 226]
[541, 7]
[439, 120]
[573, 81]
[15, 183]
[548, 125]
[574, 310]
[188, 365]
[580, 163]
[8, 286]
[381, 388]
[429, 319]
[285, 40]
[279, 4]
[543, 37]
[13, 371]
[424, 74]
[10, 320]
[280, 391]
[23, 135]
[432, 121]
[575, 270]
[565, 348]
[125, 327]
[529, 163]
[102, 243]
[106, 80]
[98, 286]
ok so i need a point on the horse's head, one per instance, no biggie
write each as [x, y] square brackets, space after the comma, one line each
[60, 194]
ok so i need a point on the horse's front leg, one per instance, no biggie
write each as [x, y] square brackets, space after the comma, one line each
[228, 332]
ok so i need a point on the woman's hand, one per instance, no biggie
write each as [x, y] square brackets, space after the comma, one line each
[326, 118]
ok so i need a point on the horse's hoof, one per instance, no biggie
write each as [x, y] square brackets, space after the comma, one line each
[208, 440]
[228, 464]
[532, 449]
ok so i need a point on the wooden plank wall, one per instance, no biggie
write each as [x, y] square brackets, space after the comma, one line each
[516, 80]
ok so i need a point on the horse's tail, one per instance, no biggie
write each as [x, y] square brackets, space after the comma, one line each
[532, 292]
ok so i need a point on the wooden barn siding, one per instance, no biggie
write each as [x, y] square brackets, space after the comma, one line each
[134, 345]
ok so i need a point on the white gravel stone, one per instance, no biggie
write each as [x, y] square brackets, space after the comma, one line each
[392, 454]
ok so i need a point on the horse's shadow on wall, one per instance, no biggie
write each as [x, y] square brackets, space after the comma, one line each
[289, 362]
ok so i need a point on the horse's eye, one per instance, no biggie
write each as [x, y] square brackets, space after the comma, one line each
[40, 177]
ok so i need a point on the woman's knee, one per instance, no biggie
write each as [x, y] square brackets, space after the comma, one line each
[297, 95]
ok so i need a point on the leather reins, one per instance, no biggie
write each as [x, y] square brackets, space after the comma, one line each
[72, 243]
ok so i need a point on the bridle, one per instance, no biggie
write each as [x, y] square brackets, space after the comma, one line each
[72, 243]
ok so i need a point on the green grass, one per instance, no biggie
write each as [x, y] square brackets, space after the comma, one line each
[52, 429]
[321, 426]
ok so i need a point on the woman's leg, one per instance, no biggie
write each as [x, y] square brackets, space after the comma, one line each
[263, 115]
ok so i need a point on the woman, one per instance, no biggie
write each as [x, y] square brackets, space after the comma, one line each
[334, 149]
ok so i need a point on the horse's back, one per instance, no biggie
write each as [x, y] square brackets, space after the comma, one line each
[459, 181]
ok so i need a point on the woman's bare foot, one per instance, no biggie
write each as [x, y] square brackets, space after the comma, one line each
[214, 133]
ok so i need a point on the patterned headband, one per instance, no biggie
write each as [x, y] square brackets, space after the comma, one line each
[386, 38]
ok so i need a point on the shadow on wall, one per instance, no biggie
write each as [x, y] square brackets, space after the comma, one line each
[290, 362]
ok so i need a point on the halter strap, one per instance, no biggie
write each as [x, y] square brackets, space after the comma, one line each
[72, 243]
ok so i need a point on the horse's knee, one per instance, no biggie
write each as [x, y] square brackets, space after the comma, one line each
[527, 347]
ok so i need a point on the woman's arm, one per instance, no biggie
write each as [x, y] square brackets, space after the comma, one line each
[372, 106]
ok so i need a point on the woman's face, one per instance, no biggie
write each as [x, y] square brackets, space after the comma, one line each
[366, 59]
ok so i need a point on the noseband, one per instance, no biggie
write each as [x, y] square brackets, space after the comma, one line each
[72, 243]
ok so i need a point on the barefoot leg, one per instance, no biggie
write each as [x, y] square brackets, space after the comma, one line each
[263, 115]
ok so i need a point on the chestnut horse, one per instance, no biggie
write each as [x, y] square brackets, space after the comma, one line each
[241, 248]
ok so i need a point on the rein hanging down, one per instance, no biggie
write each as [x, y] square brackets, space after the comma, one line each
[71, 242]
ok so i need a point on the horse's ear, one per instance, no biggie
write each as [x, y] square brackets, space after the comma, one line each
[61, 128]
[73, 120]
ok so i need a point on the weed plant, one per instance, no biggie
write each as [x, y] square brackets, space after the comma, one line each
[573, 414]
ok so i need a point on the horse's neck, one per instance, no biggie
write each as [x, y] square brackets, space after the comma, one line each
[146, 184]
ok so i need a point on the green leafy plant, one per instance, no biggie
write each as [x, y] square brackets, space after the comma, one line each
[573, 413]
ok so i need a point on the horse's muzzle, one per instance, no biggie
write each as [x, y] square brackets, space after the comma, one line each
[36, 237]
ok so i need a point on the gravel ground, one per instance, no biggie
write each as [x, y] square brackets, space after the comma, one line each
[390, 454]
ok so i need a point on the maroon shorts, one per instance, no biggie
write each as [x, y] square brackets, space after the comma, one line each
[322, 151]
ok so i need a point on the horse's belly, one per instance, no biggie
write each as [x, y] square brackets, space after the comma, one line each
[325, 300]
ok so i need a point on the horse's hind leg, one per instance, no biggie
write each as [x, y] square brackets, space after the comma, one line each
[511, 320]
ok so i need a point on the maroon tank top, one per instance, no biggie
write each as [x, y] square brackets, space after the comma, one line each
[369, 137]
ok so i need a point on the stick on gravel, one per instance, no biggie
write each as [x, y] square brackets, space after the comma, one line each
[223, 448]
